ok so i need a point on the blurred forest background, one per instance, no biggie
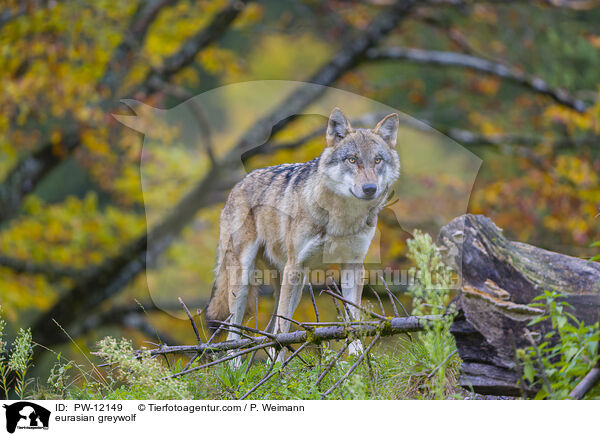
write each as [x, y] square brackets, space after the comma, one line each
[516, 83]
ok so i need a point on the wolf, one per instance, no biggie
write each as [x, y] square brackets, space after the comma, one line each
[298, 217]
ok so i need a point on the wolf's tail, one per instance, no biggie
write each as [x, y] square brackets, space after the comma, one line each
[218, 305]
[217, 308]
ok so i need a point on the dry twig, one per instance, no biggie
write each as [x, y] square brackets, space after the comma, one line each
[539, 362]
[271, 374]
[362, 309]
[191, 320]
[352, 368]
[587, 383]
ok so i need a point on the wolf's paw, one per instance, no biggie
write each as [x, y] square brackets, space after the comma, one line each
[235, 362]
[274, 355]
[355, 348]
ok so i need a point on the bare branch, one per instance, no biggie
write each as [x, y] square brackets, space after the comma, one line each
[467, 137]
[462, 136]
[347, 316]
[338, 309]
[359, 307]
[352, 368]
[393, 303]
[191, 320]
[587, 383]
[538, 359]
[235, 328]
[190, 49]
[452, 59]
[223, 359]
[218, 330]
[518, 368]
[314, 303]
[299, 324]
[446, 359]
[391, 327]
[50, 271]
[231, 330]
[345, 323]
[331, 364]
[243, 327]
[133, 38]
[29, 171]
[379, 300]
[393, 297]
[576, 5]
[271, 374]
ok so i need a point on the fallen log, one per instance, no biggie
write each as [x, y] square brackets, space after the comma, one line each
[499, 278]
[389, 327]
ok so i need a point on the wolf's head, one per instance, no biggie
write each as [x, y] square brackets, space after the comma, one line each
[360, 163]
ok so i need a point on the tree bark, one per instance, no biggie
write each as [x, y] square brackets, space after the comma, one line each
[473, 63]
[499, 278]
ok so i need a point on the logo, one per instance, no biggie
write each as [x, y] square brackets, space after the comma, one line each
[26, 415]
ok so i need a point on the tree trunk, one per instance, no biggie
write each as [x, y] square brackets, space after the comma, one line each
[499, 279]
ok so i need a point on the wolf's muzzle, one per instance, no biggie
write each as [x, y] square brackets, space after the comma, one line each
[369, 189]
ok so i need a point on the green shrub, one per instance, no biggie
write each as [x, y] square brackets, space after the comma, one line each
[432, 357]
[3, 366]
[15, 362]
[143, 375]
[564, 355]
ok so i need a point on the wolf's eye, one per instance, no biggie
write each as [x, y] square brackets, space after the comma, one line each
[378, 160]
[352, 160]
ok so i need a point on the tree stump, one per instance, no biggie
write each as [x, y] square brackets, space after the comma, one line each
[499, 278]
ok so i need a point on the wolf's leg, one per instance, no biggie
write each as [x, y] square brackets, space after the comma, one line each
[352, 287]
[289, 297]
[271, 326]
[276, 284]
[240, 285]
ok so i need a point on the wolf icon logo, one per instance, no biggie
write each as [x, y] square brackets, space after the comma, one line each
[25, 414]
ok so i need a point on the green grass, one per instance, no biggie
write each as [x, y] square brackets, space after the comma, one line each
[399, 368]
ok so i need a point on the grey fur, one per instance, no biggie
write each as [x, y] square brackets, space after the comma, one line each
[293, 216]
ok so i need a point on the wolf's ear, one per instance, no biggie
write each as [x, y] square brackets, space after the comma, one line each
[388, 129]
[337, 128]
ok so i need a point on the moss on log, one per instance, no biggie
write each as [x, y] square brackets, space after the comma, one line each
[499, 278]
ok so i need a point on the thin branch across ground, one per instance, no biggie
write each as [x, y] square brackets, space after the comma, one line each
[229, 352]
[389, 327]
